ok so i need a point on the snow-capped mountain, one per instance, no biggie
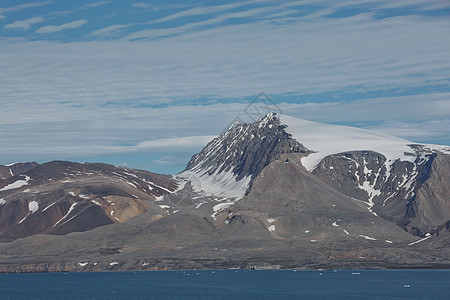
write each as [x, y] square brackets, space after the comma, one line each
[226, 166]
[385, 172]
[278, 192]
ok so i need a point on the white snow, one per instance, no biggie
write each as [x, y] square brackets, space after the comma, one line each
[95, 202]
[17, 184]
[222, 206]
[270, 220]
[150, 184]
[132, 184]
[67, 214]
[421, 240]
[346, 232]
[84, 197]
[222, 184]
[48, 206]
[33, 206]
[200, 204]
[112, 212]
[145, 264]
[388, 241]
[165, 206]
[159, 198]
[11, 172]
[369, 187]
[335, 224]
[2, 201]
[219, 207]
[367, 237]
[82, 264]
[114, 263]
[271, 228]
[306, 231]
[10, 165]
[26, 191]
[327, 139]
[24, 218]
[72, 194]
[131, 174]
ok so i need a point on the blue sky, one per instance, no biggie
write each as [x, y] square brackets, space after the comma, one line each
[146, 84]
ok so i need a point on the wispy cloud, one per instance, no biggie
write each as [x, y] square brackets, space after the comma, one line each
[202, 10]
[181, 142]
[416, 131]
[53, 28]
[164, 32]
[25, 24]
[99, 3]
[109, 30]
[23, 6]
[162, 86]
[140, 5]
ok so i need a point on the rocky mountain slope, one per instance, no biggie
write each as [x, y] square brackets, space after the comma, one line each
[62, 197]
[278, 193]
[16, 169]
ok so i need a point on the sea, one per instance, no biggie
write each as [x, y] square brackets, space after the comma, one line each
[230, 284]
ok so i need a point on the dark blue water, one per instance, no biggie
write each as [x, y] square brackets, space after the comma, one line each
[229, 284]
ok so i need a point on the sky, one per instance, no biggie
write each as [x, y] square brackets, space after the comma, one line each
[146, 84]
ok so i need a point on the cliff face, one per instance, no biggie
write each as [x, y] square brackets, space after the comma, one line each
[413, 195]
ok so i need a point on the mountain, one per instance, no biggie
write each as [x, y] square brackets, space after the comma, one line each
[278, 193]
[62, 197]
[16, 169]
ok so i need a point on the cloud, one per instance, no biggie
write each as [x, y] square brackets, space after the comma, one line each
[109, 30]
[181, 142]
[52, 28]
[2, 17]
[99, 3]
[164, 32]
[235, 62]
[23, 6]
[25, 24]
[410, 108]
[140, 5]
[173, 86]
[416, 131]
[202, 10]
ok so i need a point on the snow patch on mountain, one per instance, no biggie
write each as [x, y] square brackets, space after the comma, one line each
[33, 206]
[67, 214]
[17, 184]
[221, 184]
[327, 139]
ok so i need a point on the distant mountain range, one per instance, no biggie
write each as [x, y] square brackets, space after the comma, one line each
[278, 193]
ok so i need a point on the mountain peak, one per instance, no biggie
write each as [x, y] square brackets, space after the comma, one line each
[239, 154]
